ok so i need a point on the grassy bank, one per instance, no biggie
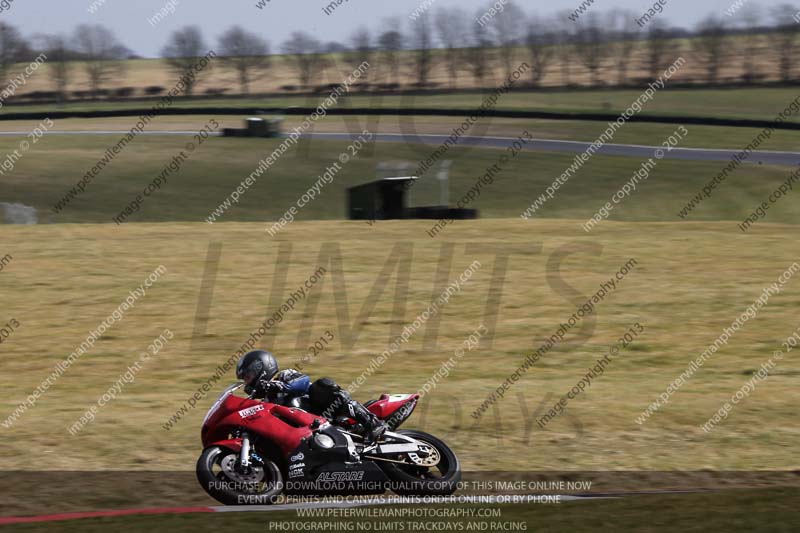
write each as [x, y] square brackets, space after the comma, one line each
[45, 173]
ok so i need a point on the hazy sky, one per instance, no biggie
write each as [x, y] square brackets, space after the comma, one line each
[129, 18]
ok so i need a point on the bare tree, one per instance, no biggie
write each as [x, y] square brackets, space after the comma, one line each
[246, 54]
[784, 39]
[541, 42]
[451, 28]
[566, 45]
[625, 40]
[421, 44]
[476, 55]
[304, 56]
[709, 46]
[335, 47]
[11, 45]
[591, 45]
[508, 28]
[185, 46]
[101, 52]
[362, 48]
[751, 42]
[390, 42]
[58, 58]
[661, 49]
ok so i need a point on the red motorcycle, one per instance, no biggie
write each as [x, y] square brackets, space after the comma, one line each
[255, 451]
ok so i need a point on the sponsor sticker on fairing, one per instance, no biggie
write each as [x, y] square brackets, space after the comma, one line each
[250, 411]
[296, 470]
[341, 476]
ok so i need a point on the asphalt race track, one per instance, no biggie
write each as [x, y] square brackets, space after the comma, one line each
[626, 150]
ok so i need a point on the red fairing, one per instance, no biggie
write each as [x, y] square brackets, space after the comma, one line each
[387, 404]
[285, 426]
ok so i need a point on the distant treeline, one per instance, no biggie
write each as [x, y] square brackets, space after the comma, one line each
[437, 49]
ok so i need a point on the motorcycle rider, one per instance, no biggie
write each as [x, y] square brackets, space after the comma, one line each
[263, 379]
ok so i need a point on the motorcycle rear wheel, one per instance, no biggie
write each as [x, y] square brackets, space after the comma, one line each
[414, 480]
[216, 474]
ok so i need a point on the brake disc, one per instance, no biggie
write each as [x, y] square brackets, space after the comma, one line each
[228, 465]
[427, 456]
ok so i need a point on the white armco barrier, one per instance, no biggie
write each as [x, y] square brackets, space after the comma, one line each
[18, 214]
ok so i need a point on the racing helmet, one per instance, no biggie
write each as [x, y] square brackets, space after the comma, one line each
[255, 366]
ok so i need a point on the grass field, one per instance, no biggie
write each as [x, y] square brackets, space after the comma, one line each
[692, 280]
[751, 511]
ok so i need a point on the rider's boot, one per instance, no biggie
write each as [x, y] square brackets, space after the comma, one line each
[374, 427]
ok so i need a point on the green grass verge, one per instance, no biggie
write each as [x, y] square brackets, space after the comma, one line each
[50, 168]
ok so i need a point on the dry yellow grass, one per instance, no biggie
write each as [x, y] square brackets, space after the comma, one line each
[692, 280]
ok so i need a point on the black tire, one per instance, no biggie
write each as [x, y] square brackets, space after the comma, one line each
[419, 481]
[229, 491]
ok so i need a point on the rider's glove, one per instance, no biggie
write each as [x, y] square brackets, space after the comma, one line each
[273, 388]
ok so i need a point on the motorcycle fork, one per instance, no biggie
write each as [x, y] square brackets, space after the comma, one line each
[244, 454]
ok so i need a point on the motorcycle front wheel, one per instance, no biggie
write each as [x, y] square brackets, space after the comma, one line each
[222, 480]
